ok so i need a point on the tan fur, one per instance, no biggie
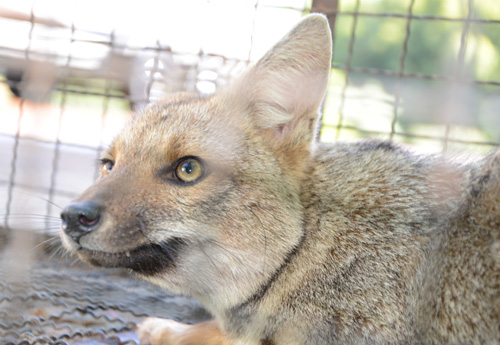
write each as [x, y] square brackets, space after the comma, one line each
[290, 242]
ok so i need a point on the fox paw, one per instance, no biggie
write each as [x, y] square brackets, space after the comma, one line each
[155, 331]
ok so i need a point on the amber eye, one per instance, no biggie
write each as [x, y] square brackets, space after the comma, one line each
[189, 170]
[107, 166]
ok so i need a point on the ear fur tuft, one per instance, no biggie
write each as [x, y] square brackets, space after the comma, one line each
[285, 88]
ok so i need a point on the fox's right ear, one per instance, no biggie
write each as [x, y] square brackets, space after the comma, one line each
[284, 89]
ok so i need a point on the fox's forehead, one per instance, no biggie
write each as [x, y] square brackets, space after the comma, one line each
[176, 128]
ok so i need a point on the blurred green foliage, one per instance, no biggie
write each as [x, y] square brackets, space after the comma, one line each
[433, 44]
[425, 106]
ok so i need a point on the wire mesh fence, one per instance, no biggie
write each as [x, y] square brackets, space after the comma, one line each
[414, 72]
[48, 304]
[453, 93]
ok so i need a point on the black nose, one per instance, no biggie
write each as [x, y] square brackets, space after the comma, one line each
[80, 218]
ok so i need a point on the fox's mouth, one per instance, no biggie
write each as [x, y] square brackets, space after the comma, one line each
[147, 259]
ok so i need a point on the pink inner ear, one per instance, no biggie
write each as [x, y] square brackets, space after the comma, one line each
[306, 92]
[287, 102]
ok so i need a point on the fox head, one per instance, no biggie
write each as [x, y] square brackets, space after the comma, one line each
[202, 195]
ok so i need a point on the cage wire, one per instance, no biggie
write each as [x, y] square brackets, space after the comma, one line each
[459, 87]
[49, 141]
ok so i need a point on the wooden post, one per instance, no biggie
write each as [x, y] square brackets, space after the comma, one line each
[329, 8]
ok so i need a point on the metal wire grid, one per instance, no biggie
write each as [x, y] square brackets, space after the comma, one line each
[229, 65]
[51, 293]
[456, 79]
[51, 304]
[347, 68]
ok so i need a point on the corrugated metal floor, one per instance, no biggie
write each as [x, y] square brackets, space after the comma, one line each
[56, 302]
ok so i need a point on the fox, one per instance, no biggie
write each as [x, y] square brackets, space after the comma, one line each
[231, 199]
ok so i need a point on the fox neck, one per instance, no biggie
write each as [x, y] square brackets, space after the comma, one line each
[260, 273]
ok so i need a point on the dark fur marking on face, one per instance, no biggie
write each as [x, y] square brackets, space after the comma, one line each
[148, 259]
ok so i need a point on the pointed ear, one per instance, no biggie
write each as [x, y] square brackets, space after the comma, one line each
[285, 88]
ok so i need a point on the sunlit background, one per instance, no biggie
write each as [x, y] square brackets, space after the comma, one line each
[421, 72]
[425, 73]
[441, 68]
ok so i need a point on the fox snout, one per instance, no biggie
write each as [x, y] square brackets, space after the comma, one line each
[80, 218]
[89, 231]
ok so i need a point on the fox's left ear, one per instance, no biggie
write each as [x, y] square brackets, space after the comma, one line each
[284, 89]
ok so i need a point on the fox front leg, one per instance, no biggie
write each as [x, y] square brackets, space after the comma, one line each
[155, 331]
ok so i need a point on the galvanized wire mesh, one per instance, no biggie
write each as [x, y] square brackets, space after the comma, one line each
[455, 80]
[53, 303]
[44, 166]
